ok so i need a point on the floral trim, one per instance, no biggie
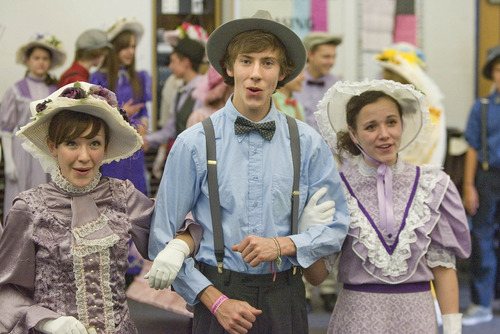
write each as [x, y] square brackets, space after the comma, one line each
[67, 186]
[395, 265]
[48, 39]
[395, 56]
[77, 93]
[105, 271]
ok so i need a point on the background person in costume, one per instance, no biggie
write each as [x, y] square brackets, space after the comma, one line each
[404, 63]
[65, 244]
[255, 56]
[133, 90]
[481, 194]
[407, 222]
[90, 49]
[43, 53]
[285, 101]
[321, 53]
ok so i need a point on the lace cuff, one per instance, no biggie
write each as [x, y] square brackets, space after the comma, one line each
[330, 262]
[437, 256]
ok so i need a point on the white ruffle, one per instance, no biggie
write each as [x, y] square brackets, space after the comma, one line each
[419, 214]
[440, 257]
[67, 186]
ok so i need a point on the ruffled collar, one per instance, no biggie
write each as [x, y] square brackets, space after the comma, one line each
[367, 170]
[63, 184]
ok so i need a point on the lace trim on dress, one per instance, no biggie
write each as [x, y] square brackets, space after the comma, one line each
[419, 214]
[81, 293]
[67, 186]
[106, 290]
[438, 256]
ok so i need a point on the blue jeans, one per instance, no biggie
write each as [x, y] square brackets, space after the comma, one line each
[483, 260]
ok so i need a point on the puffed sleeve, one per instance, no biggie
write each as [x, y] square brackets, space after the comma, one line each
[140, 210]
[451, 235]
[18, 311]
[8, 111]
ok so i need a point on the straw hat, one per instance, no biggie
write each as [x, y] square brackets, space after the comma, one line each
[331, 114]
[123, 24]
[219, 40]
[48, 42]
[85, 98]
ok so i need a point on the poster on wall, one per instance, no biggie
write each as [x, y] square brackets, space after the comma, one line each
[302, 16]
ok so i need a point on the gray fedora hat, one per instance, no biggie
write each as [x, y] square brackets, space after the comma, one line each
[219, 40]
[492, 54]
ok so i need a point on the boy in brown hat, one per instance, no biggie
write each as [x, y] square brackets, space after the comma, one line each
[248, 275]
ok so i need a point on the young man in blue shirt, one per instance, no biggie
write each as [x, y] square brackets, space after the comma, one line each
[258, 287]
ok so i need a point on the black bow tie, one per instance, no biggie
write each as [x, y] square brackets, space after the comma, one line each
[243, 125]
[316, 83]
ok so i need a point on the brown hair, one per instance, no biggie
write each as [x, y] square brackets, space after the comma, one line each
[111, 64]
[90, 54]
[69, 124]
[255, 41]
[353, 107]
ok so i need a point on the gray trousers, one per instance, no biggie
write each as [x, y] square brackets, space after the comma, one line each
[282, 302]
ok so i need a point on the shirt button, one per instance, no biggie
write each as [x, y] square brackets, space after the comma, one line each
[92, 271]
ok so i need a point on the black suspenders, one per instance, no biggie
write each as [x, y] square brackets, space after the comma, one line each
[484, 135]
[213, 186]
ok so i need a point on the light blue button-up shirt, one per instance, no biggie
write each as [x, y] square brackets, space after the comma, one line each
[255, 185]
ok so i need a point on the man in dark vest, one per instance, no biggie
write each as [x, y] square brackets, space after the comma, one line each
[185, 61]
[248, 273]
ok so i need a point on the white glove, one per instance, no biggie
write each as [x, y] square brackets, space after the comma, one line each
[10, 166]
[159, 161]
[452, 323]
[61, 325]
[313, 214]
[167, 264]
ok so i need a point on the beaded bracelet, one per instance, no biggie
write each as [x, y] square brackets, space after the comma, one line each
[278, 259]
[217, 303]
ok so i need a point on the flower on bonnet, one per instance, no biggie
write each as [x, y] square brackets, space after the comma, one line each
[74, 93]
[104, 94]
[77, 92]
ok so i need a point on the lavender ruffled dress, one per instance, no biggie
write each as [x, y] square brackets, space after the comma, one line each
[431, 229]
[55, 261]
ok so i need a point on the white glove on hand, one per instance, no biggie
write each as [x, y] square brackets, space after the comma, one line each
[10, 166]
[159, 161]
[167, 264]
[452, 323]
[313, 214]
[61, 325]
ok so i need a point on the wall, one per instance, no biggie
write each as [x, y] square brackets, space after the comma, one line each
[448, 37]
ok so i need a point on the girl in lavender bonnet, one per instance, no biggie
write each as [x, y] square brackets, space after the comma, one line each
[65, 244]
[407, 222]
